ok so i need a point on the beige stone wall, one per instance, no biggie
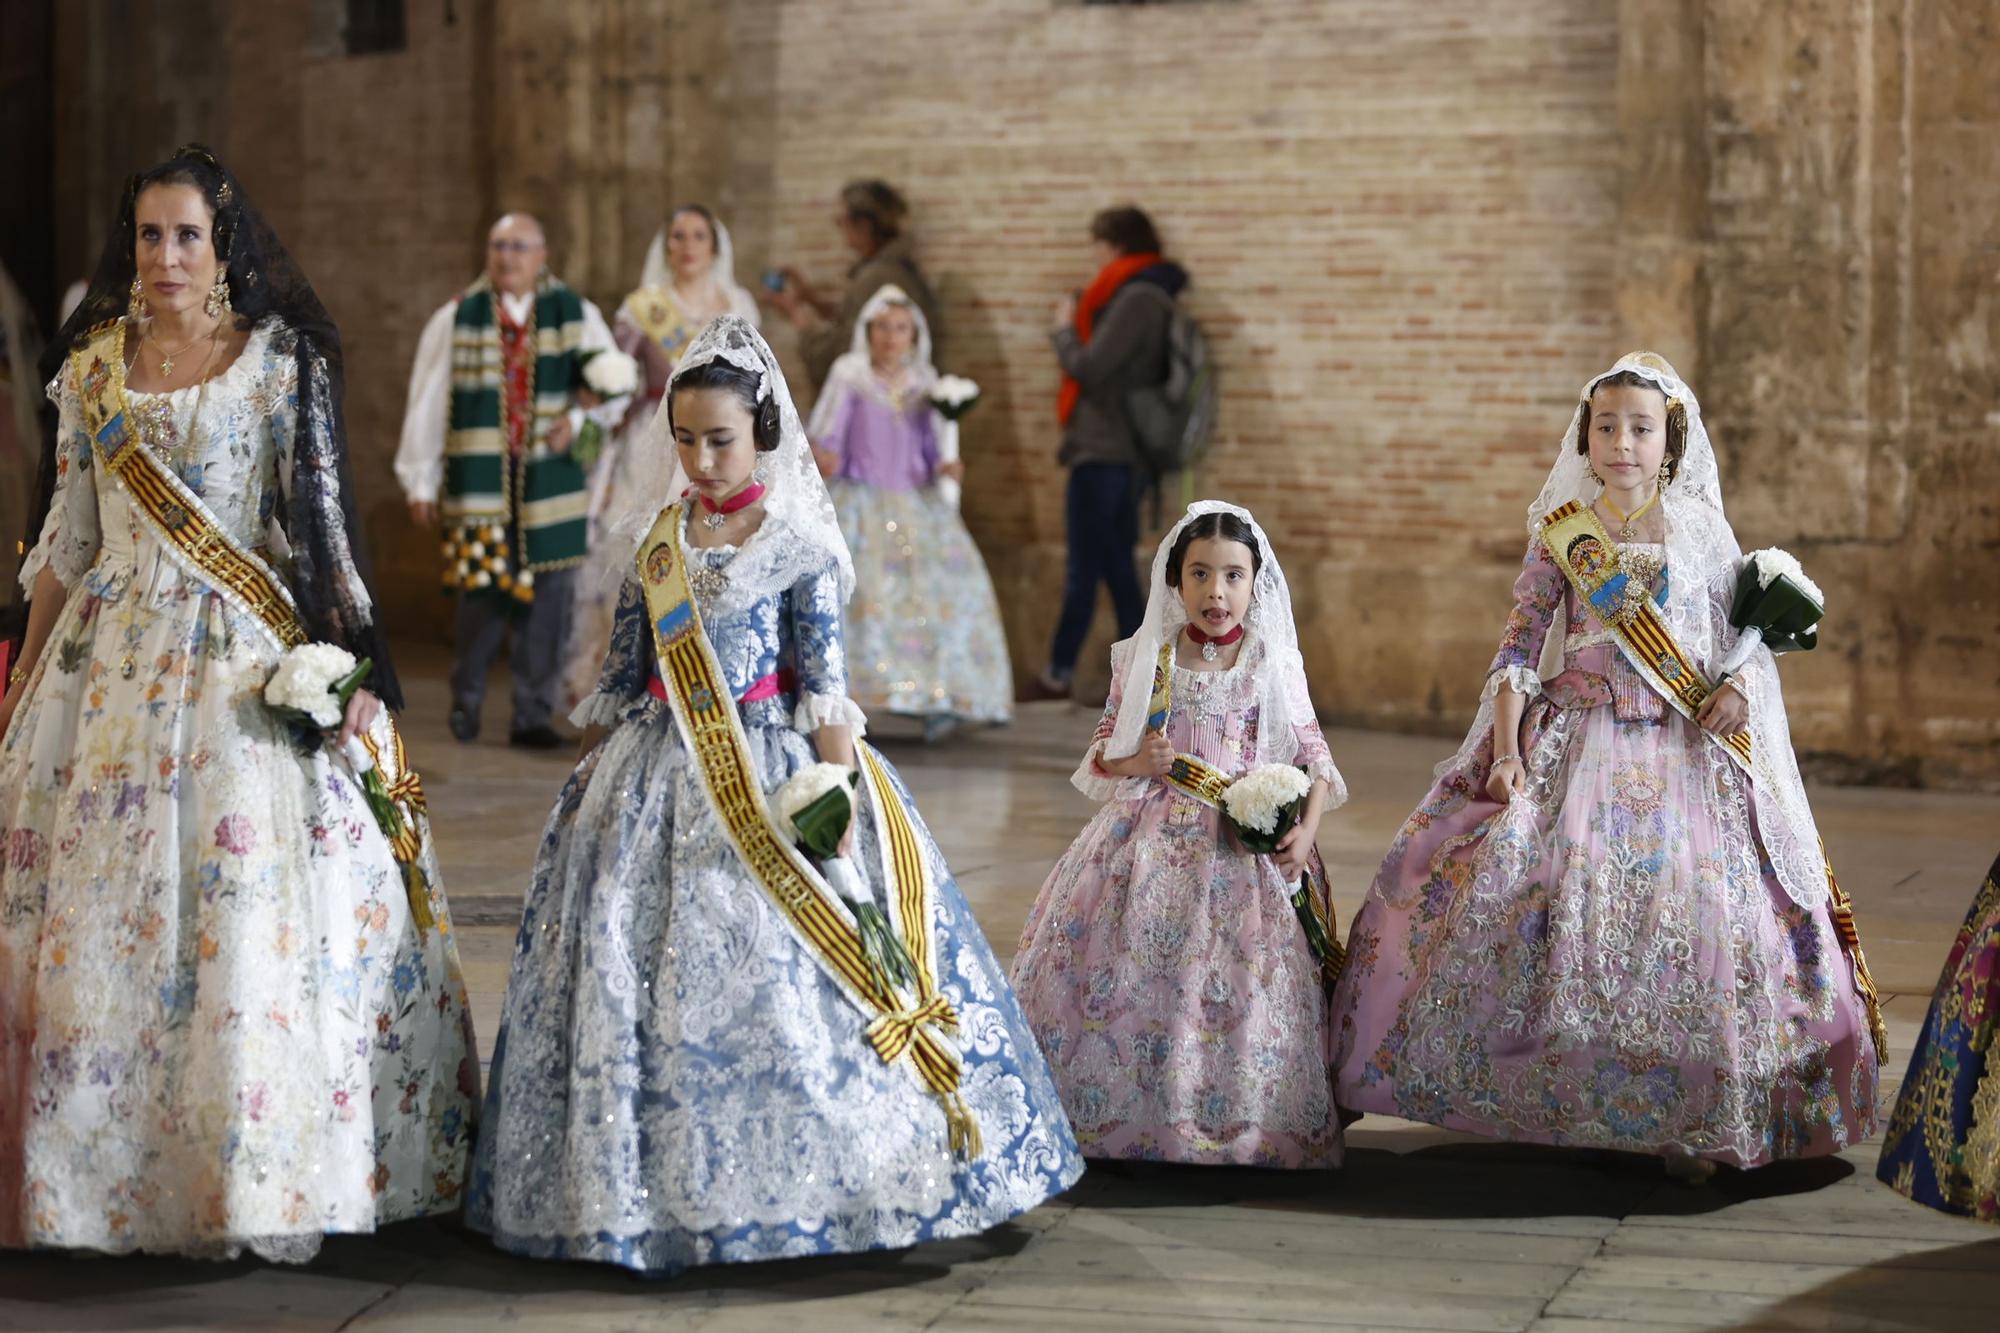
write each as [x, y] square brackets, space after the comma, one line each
[1413, 230]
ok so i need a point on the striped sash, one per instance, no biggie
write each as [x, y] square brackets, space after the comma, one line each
[1583, 551]
[713, 729]
[199, 545]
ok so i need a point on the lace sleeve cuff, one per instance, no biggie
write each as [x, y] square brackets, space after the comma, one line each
[1521, 680]
[68, 559]
[598, 709]
[829, 710]
[1093, 781]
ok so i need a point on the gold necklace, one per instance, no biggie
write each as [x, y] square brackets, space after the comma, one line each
[1626, 520]
[167, 357]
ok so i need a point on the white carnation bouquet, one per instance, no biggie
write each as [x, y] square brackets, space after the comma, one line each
[1261, 807]
[813, 808]
[313, 684]
[608, 373]
[310, 690]
[953, 396]
[1775, 605]
[611, 373]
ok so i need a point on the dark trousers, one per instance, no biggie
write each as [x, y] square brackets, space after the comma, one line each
[1102, 515]
[541, 628]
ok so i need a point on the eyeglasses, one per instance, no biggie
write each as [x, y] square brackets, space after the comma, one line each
[507, 247]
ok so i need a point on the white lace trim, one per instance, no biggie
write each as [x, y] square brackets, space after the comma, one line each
[829, 710]
[1336, 785]
[598, 710]
[1521, 680]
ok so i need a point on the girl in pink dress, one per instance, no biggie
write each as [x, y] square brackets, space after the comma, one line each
[1163, 967]
[1607, 925]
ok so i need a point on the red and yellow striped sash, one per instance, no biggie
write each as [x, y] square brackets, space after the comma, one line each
[184, 524]
[699, 696]
[1577, 542]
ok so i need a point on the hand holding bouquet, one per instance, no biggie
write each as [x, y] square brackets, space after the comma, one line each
[814, 808]
[953, 396]
[1776, 605]
[311, 689]
[608, 373]
[1261, 807]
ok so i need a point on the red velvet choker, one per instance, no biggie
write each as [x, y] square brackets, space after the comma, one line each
[743, 499]
[1210, 642]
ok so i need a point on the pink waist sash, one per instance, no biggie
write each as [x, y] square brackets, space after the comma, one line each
[768, 687]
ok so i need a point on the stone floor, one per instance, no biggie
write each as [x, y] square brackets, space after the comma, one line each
[1422, 1229]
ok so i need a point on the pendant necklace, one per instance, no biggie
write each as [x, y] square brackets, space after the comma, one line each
[1626, 520]
[718, 514]
[1212, 644]
[167, 357]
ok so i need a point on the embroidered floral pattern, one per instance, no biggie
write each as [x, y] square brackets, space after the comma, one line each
[664, 1027]
[215, 1056]
[1605, 960]
[1167, 975]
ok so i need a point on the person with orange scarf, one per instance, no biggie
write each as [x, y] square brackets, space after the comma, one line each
[1110, 339]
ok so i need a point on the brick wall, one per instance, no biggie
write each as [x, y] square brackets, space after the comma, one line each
[1413, 230]
[1400, 221]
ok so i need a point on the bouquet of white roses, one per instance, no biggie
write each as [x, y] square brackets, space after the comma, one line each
[1775, 605]
[1261, 807]
[814, 808]
[953, 396]
[311, 689]
[608, 373]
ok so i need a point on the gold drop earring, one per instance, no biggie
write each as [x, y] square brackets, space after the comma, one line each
[1666, 473]
[135, 308]
[218, 295]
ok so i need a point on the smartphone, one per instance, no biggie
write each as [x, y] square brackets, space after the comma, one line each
[774, 279]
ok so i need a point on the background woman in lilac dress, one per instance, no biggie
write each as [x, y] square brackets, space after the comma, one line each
[924, 629]
[1163, 967]
[1598, 929]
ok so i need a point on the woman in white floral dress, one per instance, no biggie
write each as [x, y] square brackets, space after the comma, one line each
[220, 1026]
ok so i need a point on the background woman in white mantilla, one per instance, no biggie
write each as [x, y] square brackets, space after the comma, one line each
[689, 278]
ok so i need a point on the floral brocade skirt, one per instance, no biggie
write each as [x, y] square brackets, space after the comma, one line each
[1170, 984]
[924, 637]
[219, 1028]
[1606, 961]
[678, 1081]
[1943, 1142]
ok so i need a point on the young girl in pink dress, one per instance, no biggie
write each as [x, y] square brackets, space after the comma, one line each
[1609, 924]
[1163, 967]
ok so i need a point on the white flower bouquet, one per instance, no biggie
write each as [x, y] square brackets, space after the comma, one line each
[813, 808]
[313, 684]
[608, 373]
[953, 396]
[1775, 605]
[1261, 807]
[310, 690]
[611, 373]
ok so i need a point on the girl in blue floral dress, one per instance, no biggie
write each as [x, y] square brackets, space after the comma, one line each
[685, 1074]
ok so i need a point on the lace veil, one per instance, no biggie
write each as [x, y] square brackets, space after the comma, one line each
[1702, 558]
[800, 534]
[321, 524]
[1270, 656]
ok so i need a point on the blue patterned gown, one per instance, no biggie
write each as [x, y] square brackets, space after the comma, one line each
[676, 1080]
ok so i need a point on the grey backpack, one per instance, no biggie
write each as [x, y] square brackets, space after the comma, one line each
[1173, 419]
